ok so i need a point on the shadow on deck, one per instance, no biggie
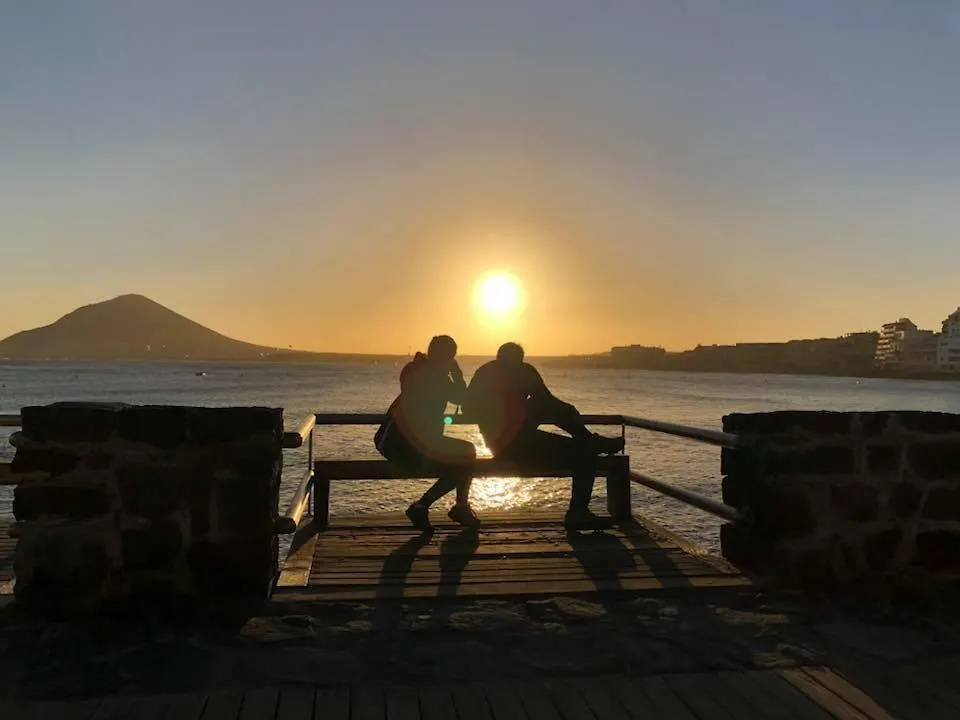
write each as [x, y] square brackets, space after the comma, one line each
[519, 555]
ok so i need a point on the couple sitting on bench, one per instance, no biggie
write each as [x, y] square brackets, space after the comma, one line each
[509, 401]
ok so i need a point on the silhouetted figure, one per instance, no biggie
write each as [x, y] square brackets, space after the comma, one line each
[509, 400]
[412, 433]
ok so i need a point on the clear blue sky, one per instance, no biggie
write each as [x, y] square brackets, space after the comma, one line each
[334, 175]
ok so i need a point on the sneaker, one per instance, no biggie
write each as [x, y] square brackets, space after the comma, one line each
[419, 515]
[586, 520]
[464, 515]
[608, 445]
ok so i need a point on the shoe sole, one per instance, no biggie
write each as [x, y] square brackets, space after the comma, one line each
[473, 525]
[424, 527]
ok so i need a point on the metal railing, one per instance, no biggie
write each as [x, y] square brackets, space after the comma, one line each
[301, 501]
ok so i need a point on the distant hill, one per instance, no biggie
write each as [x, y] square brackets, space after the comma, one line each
[131, 327]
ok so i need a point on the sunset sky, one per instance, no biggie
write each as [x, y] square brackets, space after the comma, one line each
[337, 175]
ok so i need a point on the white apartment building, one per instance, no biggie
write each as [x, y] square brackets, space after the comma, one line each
[948, 344]
[903, 344]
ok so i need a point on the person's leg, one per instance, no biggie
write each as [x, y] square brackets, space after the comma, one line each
[453, 457]
[566, 417]
[579, 454]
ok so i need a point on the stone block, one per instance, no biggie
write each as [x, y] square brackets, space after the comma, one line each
[199, 496]
[884, 459]
[873, 424]
[854, 500]
[881, 549]
[904, 499]
[216, 425]
[50, 459]
[935, 460]
[71, 421]
[932, 423]
[814, 460]
[938, 550]
[784, 512]
[75, 497]
[151, 547]
[236, 566]
[943, 503]
[815, 423]
[150, 490]
[63, 567]
[158, 425]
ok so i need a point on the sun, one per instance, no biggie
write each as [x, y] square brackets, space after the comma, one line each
[498, 293]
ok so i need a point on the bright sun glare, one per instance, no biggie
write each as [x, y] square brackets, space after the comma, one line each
[498, 293]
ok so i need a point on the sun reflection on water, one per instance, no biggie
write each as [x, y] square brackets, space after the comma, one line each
[506, 493]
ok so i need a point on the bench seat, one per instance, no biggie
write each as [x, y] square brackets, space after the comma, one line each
[484, 467]
[616, 469]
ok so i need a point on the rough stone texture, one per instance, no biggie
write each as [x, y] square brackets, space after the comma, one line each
[838, 497]
[117, 501]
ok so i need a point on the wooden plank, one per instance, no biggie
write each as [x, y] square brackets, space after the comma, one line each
[222, 706]
[50, 710]
[332, 704]
[781, 698]
[536, 702]
[470, 702]
[850, 693]
[402, 704]
[296, 703]
[601, 699]
[907, 688]
[633, 700]
[333, 592]
[699, 692]
[436, 703]
[113, 707]
[504, 701]
[568, 701]
[667, 702]
[367, 704]
[296, 568]
[826, 699]
[259, 704]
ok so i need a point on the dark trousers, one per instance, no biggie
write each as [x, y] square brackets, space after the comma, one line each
[539, 447]
[447, 458]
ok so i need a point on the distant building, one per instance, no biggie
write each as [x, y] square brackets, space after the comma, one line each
[902, 344]
[638, 356]
[948, 344]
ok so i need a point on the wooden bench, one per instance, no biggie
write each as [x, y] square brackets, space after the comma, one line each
[615, 468]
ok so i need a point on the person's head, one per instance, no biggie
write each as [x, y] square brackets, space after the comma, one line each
[442, 349]
[510, 353]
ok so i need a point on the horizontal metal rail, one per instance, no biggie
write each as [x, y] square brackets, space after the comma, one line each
[10, 420]
[290, 520]
[375, 418]
[714, 437]
[299, 436]
[694, 499]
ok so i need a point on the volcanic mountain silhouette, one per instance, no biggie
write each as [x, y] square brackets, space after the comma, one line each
[128, 327]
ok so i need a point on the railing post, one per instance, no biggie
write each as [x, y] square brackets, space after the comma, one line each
[310, 499]
[618, 488]
[321, 501]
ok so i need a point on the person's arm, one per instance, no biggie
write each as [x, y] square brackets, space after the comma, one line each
[555, 411]
[458, 386]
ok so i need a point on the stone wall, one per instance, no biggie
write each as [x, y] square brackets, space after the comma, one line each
[839, 497]
[118, 501]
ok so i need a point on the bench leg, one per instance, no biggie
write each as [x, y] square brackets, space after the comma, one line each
[618, 491]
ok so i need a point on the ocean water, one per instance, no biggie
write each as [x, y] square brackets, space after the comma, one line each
[691, 399]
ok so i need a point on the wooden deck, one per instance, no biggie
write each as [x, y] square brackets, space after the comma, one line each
[811, 693]
[377, 557]
[8, 546]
